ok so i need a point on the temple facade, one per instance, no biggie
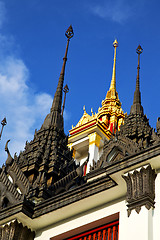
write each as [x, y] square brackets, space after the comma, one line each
[100, 183]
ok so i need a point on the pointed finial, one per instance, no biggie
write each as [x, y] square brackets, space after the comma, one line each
[69, 33]
[3, 122]
[84, 108]
[139, 49]
[137, 107]
[113, 81]
[92, 111]
[115, 43]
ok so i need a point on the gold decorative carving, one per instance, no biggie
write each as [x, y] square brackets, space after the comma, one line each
[85, 118]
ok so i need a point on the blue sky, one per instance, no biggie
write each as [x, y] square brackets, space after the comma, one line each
[32, 46]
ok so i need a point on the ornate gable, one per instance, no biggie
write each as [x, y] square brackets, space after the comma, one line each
[85, 118]
[116, 149]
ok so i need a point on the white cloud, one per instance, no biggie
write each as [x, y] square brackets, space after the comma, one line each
[117, 11]
[20, 105]
[24, 109]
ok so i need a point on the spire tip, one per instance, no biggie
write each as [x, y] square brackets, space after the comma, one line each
[139, 49]
[115, 43]
[69, 33]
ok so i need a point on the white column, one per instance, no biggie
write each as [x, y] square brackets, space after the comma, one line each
[94, 142]
[136, 226]
[156, 215]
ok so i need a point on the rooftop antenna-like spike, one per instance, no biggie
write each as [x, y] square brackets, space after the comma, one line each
[139, 50]
[3, 122]
[57, 118]
[137, 107]
[113, 81]
[57, 102]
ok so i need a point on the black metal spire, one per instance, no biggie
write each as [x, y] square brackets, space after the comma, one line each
[56, 117]
[137, 107]
[57, 102]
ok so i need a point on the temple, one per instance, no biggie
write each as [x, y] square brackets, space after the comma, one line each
[102, 182]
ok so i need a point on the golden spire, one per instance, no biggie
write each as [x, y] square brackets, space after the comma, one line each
[113, 81]
[111, 112]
